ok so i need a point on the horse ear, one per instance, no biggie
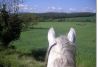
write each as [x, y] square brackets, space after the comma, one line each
[51, 36]
[72, 35]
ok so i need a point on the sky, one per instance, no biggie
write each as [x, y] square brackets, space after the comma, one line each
[41, 6]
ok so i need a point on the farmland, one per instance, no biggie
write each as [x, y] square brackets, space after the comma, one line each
[30, 49]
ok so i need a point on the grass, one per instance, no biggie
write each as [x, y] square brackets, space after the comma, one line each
[35, 40]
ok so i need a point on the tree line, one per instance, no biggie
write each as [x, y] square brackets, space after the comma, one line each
[42, 17]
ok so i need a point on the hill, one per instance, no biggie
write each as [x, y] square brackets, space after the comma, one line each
[53, 16]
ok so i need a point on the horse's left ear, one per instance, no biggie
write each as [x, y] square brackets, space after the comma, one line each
[72, 35]
[51, 36]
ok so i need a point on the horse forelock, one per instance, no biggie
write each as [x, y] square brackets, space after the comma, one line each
[62, 44]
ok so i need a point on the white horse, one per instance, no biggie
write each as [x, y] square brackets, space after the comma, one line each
[61, 51]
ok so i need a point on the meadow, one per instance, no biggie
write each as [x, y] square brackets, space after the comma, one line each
[32, 45]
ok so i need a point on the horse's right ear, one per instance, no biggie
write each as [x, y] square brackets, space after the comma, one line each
[72, 35]
[51, 36]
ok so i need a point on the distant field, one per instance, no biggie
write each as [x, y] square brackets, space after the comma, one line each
[75, 19]
[36, 38]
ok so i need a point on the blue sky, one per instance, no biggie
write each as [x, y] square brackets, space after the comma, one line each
[41, 6]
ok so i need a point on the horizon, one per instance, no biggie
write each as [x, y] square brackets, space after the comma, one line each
[58, 12]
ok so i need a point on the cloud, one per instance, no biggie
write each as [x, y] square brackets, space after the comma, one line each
[85, 9]
[54, 9]
[72, 9]
[59, 8]
[88, 9]
[26, 8]
[21, 5]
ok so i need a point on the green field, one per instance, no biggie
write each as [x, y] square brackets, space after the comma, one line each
[35, 39]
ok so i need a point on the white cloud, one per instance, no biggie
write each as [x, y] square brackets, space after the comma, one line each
[85, 9]
[27, 8]
[59, 8]
[69, 10]
[21, 5]
[88, 9]
[54, 9]
[72, 9]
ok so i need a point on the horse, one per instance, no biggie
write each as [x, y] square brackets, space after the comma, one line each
[62, 50]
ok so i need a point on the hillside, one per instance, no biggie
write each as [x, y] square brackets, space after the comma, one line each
[51, 16]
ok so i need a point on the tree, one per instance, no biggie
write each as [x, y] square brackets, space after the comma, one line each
[10, 24]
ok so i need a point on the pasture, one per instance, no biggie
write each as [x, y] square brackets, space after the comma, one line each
[33, 44]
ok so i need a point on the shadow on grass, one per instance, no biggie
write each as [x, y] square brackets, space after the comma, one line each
[1, 65]
[38, 28]
[39, 54]
[81, 24]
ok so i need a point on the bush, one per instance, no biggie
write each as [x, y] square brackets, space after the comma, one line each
[10, 27]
